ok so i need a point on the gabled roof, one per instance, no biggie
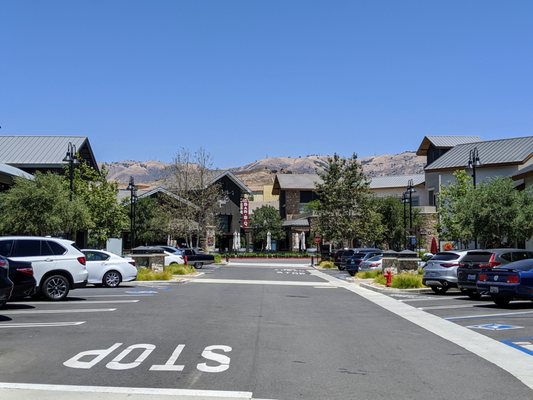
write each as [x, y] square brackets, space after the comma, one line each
[141, 194]
[491, 153]
[396, 181]
[444, 142]
[528, 171]
[295, 182]
[28, 152]
[234, 178]
[13, 172]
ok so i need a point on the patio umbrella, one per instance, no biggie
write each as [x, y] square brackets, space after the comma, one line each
[434, 247]
[235, 240]
[296, 241]
[269, 241]
[238, 240]
[302, 241]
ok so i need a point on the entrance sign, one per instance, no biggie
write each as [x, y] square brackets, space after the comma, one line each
[245, 213]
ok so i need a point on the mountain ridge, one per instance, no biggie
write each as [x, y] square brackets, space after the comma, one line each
[262, 172]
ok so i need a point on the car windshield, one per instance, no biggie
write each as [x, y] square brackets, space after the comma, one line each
[375, 258]
[478, 257]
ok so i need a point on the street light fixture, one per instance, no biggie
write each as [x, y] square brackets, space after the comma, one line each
[410, 191]
[133, 199]
[405, 200]
[72, 159]
[473, 163]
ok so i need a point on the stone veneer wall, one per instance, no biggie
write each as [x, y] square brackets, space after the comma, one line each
[292, 203]
[428, 229]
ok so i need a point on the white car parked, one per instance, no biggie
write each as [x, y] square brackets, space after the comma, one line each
[58, 265]
[109, 269]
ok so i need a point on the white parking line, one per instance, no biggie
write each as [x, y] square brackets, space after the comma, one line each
[427, 298]
[453, 306]
[41, 324]
[19, 390]
[79, 310]
[59, 303]
[252, 282]
[113, 295]
[489, 315]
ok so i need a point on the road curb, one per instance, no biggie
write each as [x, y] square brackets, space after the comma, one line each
[383, 289]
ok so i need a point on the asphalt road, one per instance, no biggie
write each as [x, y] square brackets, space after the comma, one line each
[279, 331]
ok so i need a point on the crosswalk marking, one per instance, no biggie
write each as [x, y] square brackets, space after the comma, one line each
[60, 303]
[40, 324]
[79, 310]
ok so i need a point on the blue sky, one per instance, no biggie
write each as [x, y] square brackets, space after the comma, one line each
[249, 79]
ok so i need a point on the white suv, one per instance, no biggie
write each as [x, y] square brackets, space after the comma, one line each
[58, 265]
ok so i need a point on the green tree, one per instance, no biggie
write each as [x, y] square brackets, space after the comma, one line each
[266, 219]
[457, 210]
[109, 218]
[502, 215]
[391, 211]
[151, 221]
[42, 207]
[345, 211]
[494, 212]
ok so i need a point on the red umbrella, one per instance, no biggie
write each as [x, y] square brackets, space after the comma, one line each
[434, 247]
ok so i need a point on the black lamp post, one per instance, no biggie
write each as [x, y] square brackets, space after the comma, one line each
[473, 163]
[405, 200]
[410, 191]
[72, 159]
[133, 198]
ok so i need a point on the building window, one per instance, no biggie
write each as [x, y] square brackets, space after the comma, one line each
[225, 223]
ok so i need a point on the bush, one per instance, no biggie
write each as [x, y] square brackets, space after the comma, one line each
[369, 274]
[180, 269]
[402, 281]
[218, 259]
[269, 255]
[327, 265]
[145, 274]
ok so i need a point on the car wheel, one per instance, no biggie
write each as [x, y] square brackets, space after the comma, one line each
[2, 303]
[352, 273]
[473, 294]
[439, 289]
[198, 265]
[112, 279]
[501, 301]
[341, 268]
[55, 287]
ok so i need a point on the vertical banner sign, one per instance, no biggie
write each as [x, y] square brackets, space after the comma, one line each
[245, 222]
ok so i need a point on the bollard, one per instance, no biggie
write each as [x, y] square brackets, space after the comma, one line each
[312, 261]
[227, 258]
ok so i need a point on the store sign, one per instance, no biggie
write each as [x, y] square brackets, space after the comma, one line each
[245, 213]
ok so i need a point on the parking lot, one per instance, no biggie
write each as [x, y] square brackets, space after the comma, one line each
[511, 325]
[247, 330]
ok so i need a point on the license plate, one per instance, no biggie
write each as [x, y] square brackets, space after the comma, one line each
[471, 277]
[494, 289]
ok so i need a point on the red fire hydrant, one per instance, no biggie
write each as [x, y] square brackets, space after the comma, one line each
[388, 277]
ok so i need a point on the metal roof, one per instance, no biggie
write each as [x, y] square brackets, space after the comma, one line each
[493, 152]
[42, 151]
[521, 174]
[295, 182]
[12, 171]
[300, 222]
[396, 181]
[446, 142]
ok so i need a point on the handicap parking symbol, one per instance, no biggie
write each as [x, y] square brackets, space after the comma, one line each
[524, 344]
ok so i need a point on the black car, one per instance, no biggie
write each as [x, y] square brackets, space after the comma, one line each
[360, 255]
[6, 285]
[21, 274]
[476, 260]
[337, 257]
